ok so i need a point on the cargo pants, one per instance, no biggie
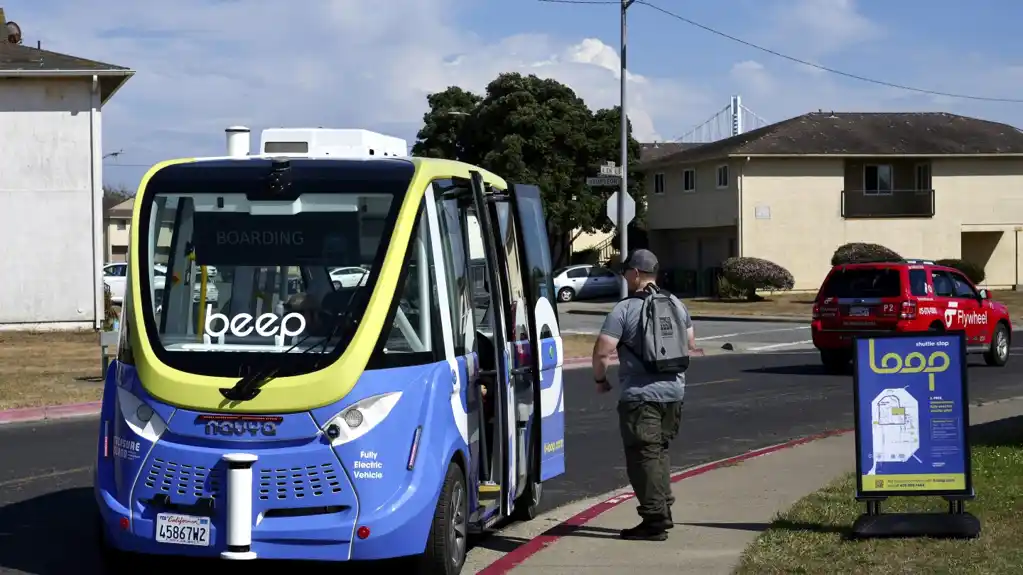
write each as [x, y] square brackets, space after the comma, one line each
[647, 429]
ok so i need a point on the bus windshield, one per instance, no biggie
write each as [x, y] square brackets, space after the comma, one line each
[229, 277]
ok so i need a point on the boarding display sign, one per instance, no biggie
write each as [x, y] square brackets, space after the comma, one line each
[912, 415]
[317, 238]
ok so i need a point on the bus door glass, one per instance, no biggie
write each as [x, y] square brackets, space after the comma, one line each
[497, 286]
[545, 336]
[520, 408]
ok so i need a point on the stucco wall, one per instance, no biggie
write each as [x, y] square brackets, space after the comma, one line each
[46, 202]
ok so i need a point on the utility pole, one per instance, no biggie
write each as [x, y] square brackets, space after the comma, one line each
[622, 224]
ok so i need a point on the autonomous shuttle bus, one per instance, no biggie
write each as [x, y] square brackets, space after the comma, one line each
[294, 416]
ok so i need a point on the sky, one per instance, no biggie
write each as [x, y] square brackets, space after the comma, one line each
[204, 65]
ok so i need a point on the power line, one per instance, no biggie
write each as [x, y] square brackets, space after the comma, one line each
[778, 54]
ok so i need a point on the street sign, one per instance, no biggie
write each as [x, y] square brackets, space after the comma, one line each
[609, 169]
[604, 181]
[612, 208]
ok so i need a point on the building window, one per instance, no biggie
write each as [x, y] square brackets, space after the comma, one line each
[877, 179]
[722, 176]
[923, 176]
[689, 180]
[658, 184]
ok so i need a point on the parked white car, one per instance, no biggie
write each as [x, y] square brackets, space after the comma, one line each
[349, 277]
[115, 276]
[585, 281]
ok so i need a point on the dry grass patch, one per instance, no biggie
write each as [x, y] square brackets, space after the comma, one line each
[49, 368]
[788, 304]
[578, 345]
[812, 536]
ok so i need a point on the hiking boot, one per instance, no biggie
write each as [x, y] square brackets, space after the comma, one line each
[645, 531]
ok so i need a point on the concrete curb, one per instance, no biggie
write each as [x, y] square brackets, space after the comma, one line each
[30, 414]
[523, 552]
[722, 318]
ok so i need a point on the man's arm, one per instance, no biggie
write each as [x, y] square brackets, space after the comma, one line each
[687, 321]
[607, 341]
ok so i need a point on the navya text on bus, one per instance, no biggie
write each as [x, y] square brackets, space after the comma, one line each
[265, 405]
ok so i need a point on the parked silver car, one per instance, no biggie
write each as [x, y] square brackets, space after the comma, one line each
[585, 281]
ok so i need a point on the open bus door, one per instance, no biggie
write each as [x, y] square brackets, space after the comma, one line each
[504, 441]
[545, 337]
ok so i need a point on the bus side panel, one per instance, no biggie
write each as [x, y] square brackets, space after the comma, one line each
[111, 504]
[397, 504]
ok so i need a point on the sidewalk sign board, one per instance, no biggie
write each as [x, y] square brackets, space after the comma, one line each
[910, 393]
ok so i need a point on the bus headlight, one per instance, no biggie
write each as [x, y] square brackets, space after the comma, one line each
[139, 416]
[359, 419]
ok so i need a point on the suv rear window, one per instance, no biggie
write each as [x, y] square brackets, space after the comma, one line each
[863, 282]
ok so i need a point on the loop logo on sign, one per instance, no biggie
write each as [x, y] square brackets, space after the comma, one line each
[266, 325]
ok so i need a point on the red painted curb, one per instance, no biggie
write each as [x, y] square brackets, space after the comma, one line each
[520, 554]
[29, 414]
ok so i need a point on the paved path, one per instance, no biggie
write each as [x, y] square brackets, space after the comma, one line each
[735, 403]
[719, 510]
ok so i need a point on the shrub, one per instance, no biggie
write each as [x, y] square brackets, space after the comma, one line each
[969, 269]
[750, 274]
[727, 290]
[853, 253]
[110, 311]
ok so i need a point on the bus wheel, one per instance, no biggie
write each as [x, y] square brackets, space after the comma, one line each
[527, 503]
[446, 546]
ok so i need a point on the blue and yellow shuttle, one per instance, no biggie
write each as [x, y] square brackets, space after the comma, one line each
[329, 350]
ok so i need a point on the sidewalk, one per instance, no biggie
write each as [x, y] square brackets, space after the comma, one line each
[717, 513]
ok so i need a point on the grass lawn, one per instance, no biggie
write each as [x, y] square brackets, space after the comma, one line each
[49, 368]
[812, 536]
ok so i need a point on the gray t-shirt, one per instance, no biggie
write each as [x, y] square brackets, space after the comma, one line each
[637, 384]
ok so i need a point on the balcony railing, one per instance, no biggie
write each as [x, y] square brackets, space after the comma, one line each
[861, 204]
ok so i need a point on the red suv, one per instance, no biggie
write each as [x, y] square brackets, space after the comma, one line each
[906, 296]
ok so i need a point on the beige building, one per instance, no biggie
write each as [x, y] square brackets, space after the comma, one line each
[118, 231]
[927, 185]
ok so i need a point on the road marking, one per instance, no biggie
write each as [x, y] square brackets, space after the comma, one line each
[42, 476]
[716, 381]
[779, 345]
[751, 333]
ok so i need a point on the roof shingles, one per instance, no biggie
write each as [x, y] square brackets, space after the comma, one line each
[863, 134]
[17, 57]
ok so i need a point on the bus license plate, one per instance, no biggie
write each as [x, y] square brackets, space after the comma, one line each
[183, 529]
[860, 312]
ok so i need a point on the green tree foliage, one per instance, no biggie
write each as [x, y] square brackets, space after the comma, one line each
[538, 131]
[969, 269]
[747, 275]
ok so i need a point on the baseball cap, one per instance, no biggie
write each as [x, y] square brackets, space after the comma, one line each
[643, 261]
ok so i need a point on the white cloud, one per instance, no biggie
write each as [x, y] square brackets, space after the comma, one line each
[821, 27]
[204, 65]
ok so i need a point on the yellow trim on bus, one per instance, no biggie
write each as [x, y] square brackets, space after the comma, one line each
[301, 392]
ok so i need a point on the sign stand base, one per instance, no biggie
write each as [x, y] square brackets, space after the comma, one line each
[955, 524]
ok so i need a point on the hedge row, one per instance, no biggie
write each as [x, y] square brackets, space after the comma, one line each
[741, 277]
[852, 253]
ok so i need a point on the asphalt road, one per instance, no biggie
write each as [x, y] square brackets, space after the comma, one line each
[750, 336]
[734, 403]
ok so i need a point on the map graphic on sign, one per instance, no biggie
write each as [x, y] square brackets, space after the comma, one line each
[896, 427]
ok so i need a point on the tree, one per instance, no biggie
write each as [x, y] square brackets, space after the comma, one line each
[532, 130]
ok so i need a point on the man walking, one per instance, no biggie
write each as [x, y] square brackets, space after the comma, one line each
[653, 333]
